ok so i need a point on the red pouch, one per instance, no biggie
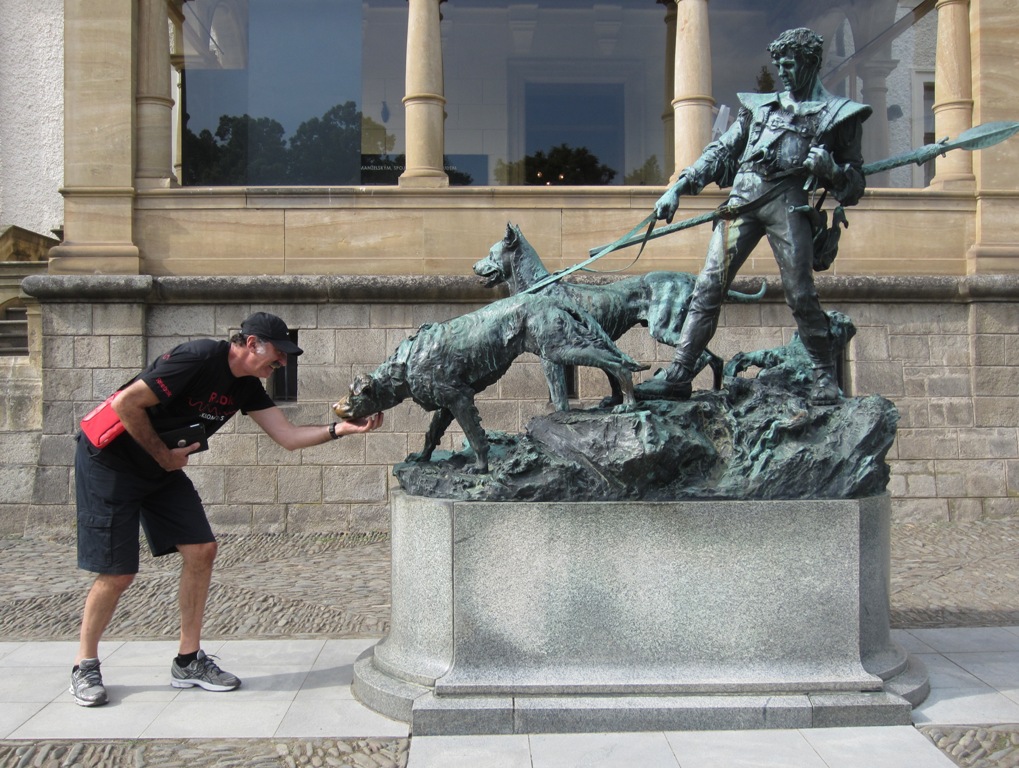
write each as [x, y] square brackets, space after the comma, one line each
[102, 424]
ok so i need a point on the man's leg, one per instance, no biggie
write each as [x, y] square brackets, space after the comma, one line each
[192, 667]
[195, 578]
[794, 251]
[107, 546]
[99, 607]
[730, 244]
[175, 522]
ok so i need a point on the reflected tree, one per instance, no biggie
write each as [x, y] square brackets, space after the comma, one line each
[650, 174]
[765, 80]
[563, 164]
[341, 147]
[323, 150]
[327, 149]
[254, 150]
[244, 150]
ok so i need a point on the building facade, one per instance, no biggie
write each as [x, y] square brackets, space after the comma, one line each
[355, 207]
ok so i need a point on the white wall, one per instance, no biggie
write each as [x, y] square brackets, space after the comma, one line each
[31, 113]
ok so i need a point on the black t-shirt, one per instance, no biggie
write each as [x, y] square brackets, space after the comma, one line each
[194, 384]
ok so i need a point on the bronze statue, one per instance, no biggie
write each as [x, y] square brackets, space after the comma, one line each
[656, 300]
[444, 365]
[790, 365]
[781, 148]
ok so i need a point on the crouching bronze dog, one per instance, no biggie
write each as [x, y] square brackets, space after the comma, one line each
[657, 300]
[790, 364]
[444, 365]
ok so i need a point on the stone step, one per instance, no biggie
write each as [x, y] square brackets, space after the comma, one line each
[13, 334]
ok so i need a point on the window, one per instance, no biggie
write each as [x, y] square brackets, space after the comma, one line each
[294, 93]
[282, 387]
[928, 129]
[542, 92]
[556, 92]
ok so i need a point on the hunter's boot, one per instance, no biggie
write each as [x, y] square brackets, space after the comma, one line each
[672, 383]
[825, 390]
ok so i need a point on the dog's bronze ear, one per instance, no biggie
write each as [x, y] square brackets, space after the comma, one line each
[511, 235]
[360, 384]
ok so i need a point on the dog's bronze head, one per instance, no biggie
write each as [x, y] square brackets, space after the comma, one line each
[361, 400]
[496, 268]
[505, 259]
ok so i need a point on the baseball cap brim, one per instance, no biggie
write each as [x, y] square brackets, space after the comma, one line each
[286, 345]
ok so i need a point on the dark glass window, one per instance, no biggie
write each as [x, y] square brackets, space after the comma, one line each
[283, 384]
[557, 91]
[293, 93]
[543, 92]
[874, 50]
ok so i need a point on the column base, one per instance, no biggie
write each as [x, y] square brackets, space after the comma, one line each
[424, 179]
[954, 182]
[112, 259]
[992, 259]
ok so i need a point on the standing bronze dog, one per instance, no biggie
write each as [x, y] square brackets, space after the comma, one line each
[657, 300]
[444, 365]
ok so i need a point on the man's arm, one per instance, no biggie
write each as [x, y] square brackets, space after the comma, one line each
[130, 405]
[841, 169]
[276, 424]
[717, 163]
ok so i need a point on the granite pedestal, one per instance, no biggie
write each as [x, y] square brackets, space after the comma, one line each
[571, 617]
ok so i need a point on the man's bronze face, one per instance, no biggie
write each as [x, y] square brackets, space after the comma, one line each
[795, 73]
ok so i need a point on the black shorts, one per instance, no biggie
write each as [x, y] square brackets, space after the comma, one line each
[111, 504]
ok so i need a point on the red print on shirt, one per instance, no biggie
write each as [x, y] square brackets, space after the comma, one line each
[216, 408]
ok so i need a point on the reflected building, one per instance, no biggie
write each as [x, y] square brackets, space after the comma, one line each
[519, 79]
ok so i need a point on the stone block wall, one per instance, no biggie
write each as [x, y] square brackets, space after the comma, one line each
[945, 350]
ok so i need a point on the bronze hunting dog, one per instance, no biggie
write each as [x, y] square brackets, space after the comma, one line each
[656, 300]
[444, 365]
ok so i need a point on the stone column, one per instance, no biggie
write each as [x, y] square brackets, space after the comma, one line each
[99, 104]
[668, 115]
[154, 113]
[692, 102]
[995, 81]
[424, 101]
[176, 8]
[953, 93]
[874, 73]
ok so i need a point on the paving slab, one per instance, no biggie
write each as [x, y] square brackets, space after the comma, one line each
[324, 598]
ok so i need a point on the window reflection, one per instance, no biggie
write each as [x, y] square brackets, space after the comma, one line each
[558, 91]
[278, 93]
[873, 52]
[544, 92]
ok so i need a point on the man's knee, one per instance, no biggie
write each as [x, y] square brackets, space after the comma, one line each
[199, 555]
[707, 293]
[802, 299]
[114, 582]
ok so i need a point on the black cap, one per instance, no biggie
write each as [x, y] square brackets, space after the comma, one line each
[270, 328]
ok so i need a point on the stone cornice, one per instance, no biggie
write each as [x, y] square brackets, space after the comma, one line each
[306, 289]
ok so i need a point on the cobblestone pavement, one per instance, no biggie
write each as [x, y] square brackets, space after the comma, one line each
[303, 585]
[207, 753]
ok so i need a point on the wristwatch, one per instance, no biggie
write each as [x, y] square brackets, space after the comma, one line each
[332, 431]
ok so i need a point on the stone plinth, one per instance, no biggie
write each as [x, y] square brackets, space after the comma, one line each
[524, 617]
